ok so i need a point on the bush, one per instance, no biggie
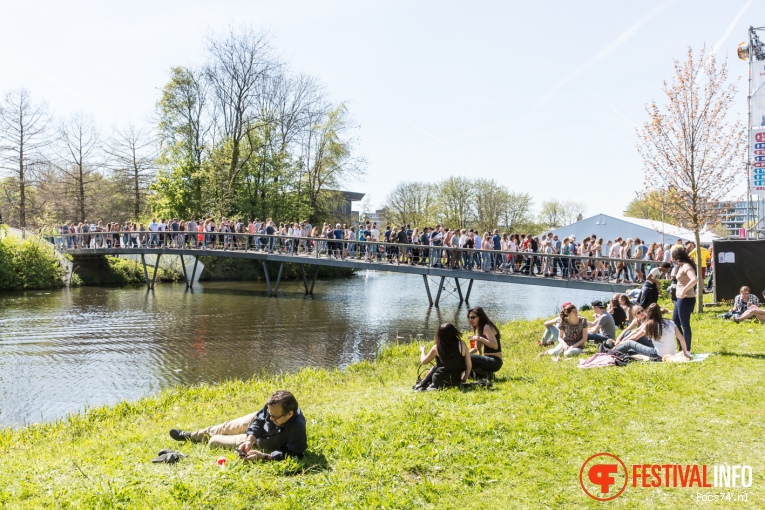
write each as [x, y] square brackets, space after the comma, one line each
[28, 264]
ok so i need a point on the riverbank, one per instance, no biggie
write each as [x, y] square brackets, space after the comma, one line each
[375, 443]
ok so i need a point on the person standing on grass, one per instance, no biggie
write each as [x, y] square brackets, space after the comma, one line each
[278, 427]
[662, 334]
[486, 356]
[686, 295]
[572, 333]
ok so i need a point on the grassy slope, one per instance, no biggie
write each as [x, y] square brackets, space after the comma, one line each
[376, 444]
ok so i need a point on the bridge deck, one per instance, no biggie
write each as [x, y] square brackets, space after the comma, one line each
[373, 265]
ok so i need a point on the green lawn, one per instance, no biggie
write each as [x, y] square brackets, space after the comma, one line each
[376, 444]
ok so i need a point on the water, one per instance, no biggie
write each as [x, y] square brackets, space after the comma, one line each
[63, 351]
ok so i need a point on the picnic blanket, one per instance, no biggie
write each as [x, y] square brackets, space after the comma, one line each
[603, 359]
[679, 358]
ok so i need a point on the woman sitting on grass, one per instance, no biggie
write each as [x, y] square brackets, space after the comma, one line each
[452, 360]
[552, 329]
[631, 329]
[572, 333]
[627, 305]
[661, 332]
[487, 341]
[617, 312]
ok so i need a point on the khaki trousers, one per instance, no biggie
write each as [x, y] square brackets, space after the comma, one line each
[229, 434]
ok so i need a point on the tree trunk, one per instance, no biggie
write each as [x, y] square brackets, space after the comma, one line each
[22, 191]
[82, 193]
[699, 272]
[137, 193]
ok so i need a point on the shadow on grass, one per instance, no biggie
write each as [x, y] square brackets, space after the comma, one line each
[742, 355]
[515, 378]
[312, 463]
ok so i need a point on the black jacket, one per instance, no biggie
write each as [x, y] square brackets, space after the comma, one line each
[648, 295]
[289, 440]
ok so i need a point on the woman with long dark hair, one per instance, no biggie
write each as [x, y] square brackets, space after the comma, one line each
[452, 357]
[685, 273]
[572, 333]
[485, 346]
[662, 334]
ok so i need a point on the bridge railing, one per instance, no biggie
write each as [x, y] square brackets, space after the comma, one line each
[446, 257]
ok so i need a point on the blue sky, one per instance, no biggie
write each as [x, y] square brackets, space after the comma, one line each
[543, 97]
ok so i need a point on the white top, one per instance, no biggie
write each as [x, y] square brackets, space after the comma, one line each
[666, 344]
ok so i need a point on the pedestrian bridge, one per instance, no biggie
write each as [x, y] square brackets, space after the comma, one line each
[439, 266]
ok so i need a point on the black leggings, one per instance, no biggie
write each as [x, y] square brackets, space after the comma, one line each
[485, 364]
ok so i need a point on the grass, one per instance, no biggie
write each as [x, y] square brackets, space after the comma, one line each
[376, 444]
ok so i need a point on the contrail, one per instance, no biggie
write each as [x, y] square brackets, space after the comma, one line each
[624, 37]
[732, 25]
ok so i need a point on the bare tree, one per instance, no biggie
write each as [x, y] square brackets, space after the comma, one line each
[239, 65]
[688, 146]
[23, 126]
[133, 156]
[78, 144]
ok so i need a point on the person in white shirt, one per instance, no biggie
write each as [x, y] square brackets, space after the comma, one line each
[153, 237]
[662, 334]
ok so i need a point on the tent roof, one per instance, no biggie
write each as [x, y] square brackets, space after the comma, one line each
[655, 226]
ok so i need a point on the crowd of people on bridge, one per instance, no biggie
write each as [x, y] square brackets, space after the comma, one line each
[545, 256]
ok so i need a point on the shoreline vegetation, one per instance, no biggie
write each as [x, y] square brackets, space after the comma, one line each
[374, 443]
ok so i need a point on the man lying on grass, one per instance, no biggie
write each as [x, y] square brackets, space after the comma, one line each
[279, 428]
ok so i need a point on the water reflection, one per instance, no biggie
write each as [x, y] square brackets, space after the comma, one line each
[63, 350]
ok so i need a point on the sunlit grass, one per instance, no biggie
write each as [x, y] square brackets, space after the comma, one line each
[376, 444]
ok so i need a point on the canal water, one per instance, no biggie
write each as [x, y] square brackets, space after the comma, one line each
[64, 351]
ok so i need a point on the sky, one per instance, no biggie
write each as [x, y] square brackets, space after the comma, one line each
[543, 97]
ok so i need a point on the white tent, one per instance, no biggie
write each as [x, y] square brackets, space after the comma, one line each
[649, 231]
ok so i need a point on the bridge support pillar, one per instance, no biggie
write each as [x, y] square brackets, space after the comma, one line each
[470, 287]
[440, 288]
[185, 275]
[309, 290]
[145, 272]
[427, 289]
[190, 283]
[156, 270]
[274, 292]
[150, 283]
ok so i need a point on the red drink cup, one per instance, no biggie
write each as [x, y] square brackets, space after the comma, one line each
[472, 343]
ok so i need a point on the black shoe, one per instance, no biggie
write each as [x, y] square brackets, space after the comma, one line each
[180, 435]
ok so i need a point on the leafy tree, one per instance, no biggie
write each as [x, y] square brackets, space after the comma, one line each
[456, 202]
[411, 203]
[690, 148]
[650, 205]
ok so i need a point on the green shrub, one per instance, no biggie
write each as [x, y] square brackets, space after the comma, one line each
[28, 264]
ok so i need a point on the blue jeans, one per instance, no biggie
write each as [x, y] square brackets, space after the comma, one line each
[550, 335]
[682, 318]
[631, 345]
[597, 338]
